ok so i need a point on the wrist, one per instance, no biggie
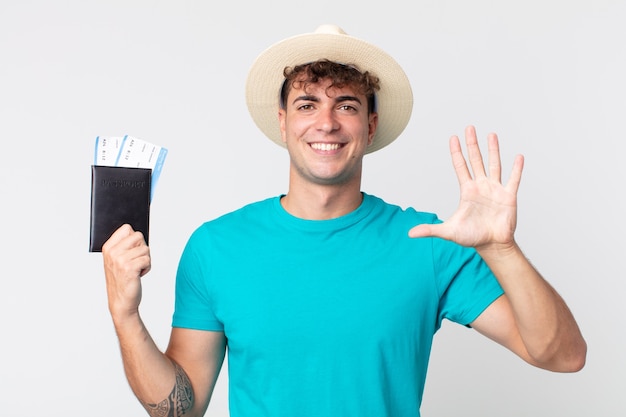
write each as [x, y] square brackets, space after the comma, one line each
[499, 250]
[123, 317]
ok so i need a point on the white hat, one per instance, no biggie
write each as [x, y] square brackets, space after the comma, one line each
[394, 100]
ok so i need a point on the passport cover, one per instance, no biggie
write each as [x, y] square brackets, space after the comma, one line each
[119, 195]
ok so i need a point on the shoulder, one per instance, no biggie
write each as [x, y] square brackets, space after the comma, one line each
[236, 221]
[383, 209]
[256, 210]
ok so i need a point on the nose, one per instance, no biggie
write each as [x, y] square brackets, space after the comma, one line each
[327, 120]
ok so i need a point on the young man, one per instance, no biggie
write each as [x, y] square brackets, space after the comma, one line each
[328, 297]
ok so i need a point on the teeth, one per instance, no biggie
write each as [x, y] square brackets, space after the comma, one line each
[325, 146]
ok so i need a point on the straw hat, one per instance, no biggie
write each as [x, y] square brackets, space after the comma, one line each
[394, 99]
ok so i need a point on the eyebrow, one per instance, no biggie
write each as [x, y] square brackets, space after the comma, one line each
[347, 98]
[305, 98]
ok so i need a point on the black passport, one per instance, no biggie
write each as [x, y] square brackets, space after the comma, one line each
[119, 195]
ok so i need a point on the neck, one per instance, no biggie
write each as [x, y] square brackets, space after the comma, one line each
[315, 202]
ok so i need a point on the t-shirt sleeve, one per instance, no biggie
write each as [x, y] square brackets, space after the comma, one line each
[193, 306]
[466, 284]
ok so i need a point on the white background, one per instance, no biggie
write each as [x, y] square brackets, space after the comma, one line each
[547, 76]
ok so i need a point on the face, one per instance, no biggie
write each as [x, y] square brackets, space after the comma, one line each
[327, 132]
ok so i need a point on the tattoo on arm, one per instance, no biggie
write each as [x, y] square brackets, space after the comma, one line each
[180, 400]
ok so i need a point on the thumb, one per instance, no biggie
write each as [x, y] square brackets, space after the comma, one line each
[428, 230]
[120, 233]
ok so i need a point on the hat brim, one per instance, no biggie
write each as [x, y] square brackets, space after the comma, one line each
[265, 79]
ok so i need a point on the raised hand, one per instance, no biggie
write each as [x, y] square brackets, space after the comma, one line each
[487, 212]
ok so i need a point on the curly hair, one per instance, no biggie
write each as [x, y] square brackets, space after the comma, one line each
[341, 75]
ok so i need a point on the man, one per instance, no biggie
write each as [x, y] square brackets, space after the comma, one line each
[327, 297]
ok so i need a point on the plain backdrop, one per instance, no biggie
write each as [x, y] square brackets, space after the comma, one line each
[547, 76]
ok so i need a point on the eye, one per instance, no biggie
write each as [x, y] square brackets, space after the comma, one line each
[348, 108]
[306, 106]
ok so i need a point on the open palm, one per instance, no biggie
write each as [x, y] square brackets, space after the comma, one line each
[487, 212]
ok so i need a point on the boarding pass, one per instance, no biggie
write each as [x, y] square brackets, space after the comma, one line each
[131, 152]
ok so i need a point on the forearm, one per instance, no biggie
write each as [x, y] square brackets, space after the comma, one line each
[545, 323]
[160, 384]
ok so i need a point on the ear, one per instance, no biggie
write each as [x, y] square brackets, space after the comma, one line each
[281, 123]
[373, 124]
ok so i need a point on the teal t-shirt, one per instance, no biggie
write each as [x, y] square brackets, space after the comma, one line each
[327, 318]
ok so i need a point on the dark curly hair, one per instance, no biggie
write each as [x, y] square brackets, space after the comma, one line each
[341, 75]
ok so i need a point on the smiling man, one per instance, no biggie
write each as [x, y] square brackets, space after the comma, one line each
[327, 126]
[327, 298]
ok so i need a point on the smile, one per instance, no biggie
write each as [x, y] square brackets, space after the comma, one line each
[325, 146]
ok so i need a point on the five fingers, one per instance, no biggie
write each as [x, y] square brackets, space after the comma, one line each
[478, 173]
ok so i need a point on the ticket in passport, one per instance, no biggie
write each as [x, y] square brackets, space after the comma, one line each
[131, 152]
